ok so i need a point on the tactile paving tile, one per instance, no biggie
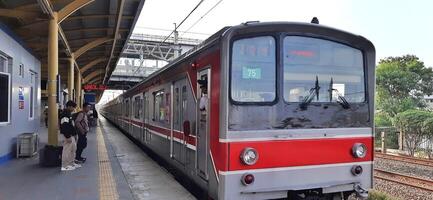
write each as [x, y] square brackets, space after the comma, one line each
[107, 184]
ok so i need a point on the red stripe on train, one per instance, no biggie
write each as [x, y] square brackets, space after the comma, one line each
[179, 135]
[288, 153]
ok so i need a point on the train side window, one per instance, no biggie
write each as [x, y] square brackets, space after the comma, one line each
[184, 103]
[176, 106]
[253, 70]
[137, 107]
[146, 108]
[158, 106]
[167, 107]
[140, 108]
[127, 108]
[5, 91]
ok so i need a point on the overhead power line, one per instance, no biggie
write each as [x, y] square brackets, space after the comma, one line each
[213, 7]
[180, 24]
[168, 30]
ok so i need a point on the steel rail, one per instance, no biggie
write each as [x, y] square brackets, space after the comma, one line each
[404, 179]
[407, 159]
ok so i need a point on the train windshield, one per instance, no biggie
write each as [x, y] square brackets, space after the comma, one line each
[324, 69]
[253, 73]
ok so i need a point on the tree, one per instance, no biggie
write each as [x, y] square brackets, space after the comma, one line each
[411, 123]
[382, 120]
[428, 133]
[401, 84]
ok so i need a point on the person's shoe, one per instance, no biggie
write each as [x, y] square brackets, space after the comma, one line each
[79, 161]
[68, 168]
[76, 165]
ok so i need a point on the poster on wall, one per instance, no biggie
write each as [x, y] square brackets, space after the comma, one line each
[20, 98]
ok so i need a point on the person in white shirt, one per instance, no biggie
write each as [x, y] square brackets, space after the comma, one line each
[203, 106]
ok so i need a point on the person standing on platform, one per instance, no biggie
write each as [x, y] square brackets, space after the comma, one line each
[67, 129]
[95, 116]
[46, 116]
[82, 124]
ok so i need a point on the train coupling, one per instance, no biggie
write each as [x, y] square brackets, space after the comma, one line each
[360, 191]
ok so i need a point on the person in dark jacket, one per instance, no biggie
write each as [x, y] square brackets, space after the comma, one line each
[82, 124]
[95, 117]
[67, 129]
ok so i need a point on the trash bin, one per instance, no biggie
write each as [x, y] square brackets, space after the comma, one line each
[27, 145]
[51, 156]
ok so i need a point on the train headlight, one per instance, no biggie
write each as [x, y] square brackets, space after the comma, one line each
[249, 156]
[359, 150]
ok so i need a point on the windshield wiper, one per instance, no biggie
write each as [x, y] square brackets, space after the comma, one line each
[314, 91]
[341, 100]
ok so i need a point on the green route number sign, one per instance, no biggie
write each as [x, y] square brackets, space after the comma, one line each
[251, 73]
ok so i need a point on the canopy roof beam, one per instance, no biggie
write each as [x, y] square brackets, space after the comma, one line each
[91, 64]
[116, 35]
[93, 74]
[71, 8]
[91, 45]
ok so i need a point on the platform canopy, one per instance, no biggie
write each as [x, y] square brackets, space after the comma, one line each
[93, 32]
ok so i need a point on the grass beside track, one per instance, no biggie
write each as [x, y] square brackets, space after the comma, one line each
[377, 195]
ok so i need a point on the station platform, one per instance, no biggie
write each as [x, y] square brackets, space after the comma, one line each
[115, 169]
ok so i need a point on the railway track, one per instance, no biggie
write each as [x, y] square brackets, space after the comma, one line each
[404, 179]
[407, 159]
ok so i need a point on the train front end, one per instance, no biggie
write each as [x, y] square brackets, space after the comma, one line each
[297, 117]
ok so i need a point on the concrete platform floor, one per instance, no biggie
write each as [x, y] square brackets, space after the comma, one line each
[133, 173]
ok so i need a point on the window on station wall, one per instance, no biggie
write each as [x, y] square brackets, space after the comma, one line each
[21, 71]
[32, 94]
[5, 88]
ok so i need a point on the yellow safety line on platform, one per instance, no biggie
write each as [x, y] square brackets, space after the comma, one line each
[107, 184]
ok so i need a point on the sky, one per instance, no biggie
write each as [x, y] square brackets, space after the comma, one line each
[396, 27]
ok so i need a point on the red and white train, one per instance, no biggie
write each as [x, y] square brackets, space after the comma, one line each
[288, 112]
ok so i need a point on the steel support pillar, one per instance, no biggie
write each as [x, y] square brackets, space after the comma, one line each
[71, 78]
[53, 70]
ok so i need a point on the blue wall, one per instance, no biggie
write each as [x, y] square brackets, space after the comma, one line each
[20, 122]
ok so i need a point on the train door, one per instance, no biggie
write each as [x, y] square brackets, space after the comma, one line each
[125, 115]
[130, 113]
[180, 103]
[203, 113]
[146, 118]
[143, 119]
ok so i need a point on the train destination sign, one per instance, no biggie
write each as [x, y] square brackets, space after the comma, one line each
[251, 73]
[95, 87]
